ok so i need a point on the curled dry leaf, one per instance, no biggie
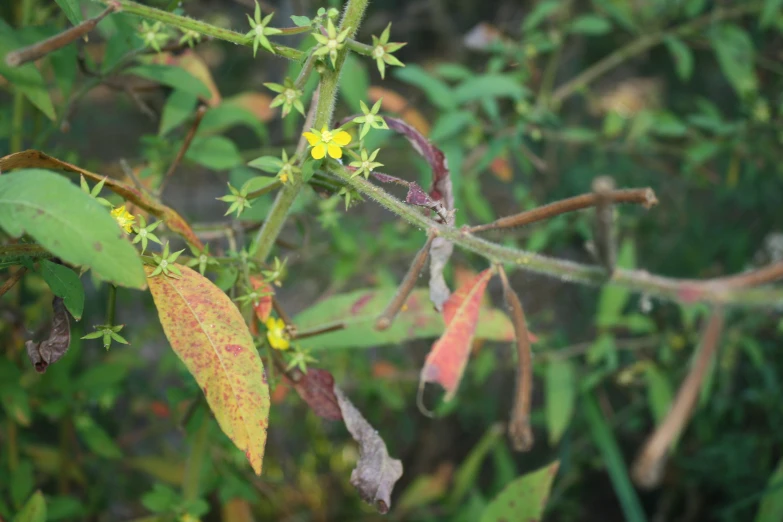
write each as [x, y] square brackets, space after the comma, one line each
[440, 191]
[263, 307]
[446, 361]
[376, 472]
[316, 388]
[52, 349]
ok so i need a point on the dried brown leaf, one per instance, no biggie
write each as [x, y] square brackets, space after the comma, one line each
[52, 349]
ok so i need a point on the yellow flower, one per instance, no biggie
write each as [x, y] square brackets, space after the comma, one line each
[124, 218]
[276, 334]
[327, 141]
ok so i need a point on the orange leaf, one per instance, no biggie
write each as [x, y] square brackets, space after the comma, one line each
[208, 334]
[397, 104]
[501, 168]
[446, 361]
[264, 305]
[194, 64]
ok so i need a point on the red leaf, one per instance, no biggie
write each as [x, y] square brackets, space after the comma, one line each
[264, 305]
[446, 361]
[316, 388]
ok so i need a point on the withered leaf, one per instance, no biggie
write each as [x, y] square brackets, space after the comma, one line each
[52, 349]
[376, 472]
[316, 388]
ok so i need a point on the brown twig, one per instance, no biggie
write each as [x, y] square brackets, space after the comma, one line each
[603, 225]
[334, 327]
[649, 465]
[406, 287]
[289, 324]
[200, 112]
[519, 430]
[11, 281]
[58, 41]
[645, 197]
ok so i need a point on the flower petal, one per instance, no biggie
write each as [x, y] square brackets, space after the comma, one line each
[335, 151]
[342, 138]
[311, 138]
[319, 151]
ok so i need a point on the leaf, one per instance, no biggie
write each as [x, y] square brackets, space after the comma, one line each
[489, 86]
[613, 459]
[682, 56]
[590, 24]
[22, 482]
[71, 10]
[66, 284]
[734, 49]
[467, 474]
[437, 91]
[417, 320]
[253, 104]
[450, 124]
[316, 388]
[540, 12]
[523, 499]
[177, 109]
[770, 12]
[53, 348]
[68, 223]
[209, 335]
[354, 82]
[263, 307]
[214, 152]
[426, 489]
[26, 78]
[193, 64]
[96, 439]
[271, 164]
[300, 21]
[614, 298]
[376, 472]
[446, 361]
[34, 510]
[228, 115]
[174, 77]
[560, 397]
[771, 505]
[659, 393]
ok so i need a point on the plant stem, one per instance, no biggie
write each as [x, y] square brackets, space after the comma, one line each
[644, 43]
[189, 24]
[731, 290]
[112, 305]
[324, 109]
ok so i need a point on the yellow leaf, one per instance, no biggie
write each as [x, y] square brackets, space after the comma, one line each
[210, 336]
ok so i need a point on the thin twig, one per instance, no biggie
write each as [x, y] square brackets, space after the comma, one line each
[519, 429]
[200, 112]
[334, 327]
[11, 281]
[649, 465]
[289, 323]
[406, 287]
[58, 41]
[603, 224]
[645, 197]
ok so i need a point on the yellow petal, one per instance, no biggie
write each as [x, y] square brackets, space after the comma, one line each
[283, 344]
[270, 323]
[311, 138]
[335, 151]
[342, 138]
[324, 129]
[281, 324]
[319, 151]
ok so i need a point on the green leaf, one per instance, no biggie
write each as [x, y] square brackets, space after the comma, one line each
[16, 403]
[300, 21]
[34, 510]
[450, 124]
[161, 499]
[227, 115]
[22, 482]
[26, 78]
[770, 12]
[659, 393]
[178, 107]
[64, 508]
[771, 505]
[590, 24]
[214, 152]
[453, 71]
[489, 86]
[540, 12]
[68, 223]
[560, 397]
[71, 9]
[668, 125]
[359, 309]
[354, 82]
[682, 56]
[523, 499]
[257, 183]
[173, 76]
[614, 298]
[66, 284]
[467, 474]
[438, 92]
[271, 164]
[96, 439]
[734, 49]
[613, 460]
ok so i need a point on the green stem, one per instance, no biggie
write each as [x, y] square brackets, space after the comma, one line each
[644, 43]
[684, 290]
[198, 450]
[17, 121]
[324, 109]
[112, 305]
[359, 47]
[188, 24]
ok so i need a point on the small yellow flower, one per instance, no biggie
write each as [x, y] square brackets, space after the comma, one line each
[124, 218]
[327, 141]
[276, 334]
